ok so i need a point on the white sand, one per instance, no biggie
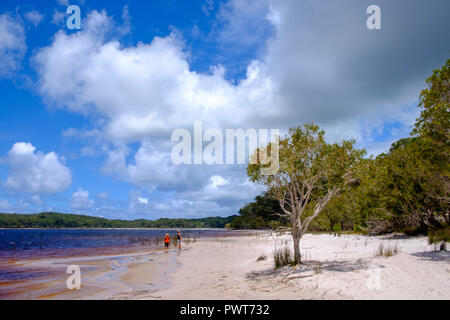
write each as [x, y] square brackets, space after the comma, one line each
[344, 267]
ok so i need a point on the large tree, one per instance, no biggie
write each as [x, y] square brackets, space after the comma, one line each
[433, 130]
[311, 172]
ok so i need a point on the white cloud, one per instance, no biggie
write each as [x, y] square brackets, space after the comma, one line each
[6, 206]
[237, 189]
[34, 17]
[12, 44]
[80, 200]
[351, 85]
[32, 171]
[149, 168]
[144, 91]
[143, 200]
[34, 200]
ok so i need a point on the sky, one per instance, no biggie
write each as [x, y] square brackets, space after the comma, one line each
[86, 116]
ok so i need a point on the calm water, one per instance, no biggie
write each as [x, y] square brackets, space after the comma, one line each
[23, 244]
[30, 243]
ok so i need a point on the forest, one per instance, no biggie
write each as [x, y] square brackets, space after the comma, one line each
[60, 220]
[405, 189]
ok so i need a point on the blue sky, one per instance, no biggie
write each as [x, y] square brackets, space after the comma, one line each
[86, 115]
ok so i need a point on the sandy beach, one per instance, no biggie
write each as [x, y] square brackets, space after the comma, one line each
[335, 267]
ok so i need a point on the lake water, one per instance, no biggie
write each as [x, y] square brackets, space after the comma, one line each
[28, 244]
[34, 243]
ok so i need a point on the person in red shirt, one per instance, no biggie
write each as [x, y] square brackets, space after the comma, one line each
[166, 241]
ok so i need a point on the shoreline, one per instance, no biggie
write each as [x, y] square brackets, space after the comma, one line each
[226, 268]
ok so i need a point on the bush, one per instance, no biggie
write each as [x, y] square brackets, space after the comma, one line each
[440, 235]
[283, 257]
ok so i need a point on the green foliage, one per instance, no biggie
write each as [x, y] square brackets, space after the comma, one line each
[439, 235]
[407, 188]
[310, 173]
[263, 213]
[60, 220]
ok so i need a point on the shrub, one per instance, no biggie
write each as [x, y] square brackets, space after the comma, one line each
[440, 235]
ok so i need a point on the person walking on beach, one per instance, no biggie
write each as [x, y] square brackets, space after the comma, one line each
[166, 241]
[179, 238]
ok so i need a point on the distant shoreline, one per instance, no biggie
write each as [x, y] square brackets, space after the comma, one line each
[56, 220]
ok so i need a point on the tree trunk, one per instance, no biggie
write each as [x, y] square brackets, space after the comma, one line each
[296, 240]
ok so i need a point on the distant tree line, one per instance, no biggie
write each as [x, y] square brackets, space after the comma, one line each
[60, 220]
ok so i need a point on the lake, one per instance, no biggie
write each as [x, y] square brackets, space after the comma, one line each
[35, 243]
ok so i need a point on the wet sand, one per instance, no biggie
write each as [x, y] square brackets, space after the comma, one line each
[124, 276]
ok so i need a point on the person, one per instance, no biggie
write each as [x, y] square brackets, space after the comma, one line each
[179, 238]
[166, 241]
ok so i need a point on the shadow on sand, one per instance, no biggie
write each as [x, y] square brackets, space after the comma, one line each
[312, 266]
[433, 255]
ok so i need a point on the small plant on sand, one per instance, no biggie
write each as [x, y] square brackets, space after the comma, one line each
[283, 257]
[387, 251]
[380, 250]
[318, 269]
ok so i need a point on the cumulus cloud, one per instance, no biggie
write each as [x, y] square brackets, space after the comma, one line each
[80, 200]
[143, 91]
[150, 167]
[12, 44]
[32, 171]
[321, 64]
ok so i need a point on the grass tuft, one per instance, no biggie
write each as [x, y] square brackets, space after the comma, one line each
[386, 251]
[283, 257]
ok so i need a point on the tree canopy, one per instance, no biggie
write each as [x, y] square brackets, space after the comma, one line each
[311, 172]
